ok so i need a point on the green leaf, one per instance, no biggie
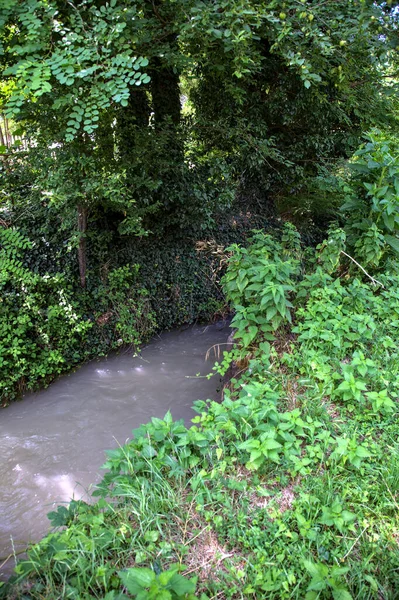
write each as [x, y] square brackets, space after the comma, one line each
[180, 585]
[36, 84]
[315, 569]
[60, 517]
[151, 536]
[362, 452]
[136, 579]
[341, 594]
[318, 583]
[253, 331]
[255, 455]
[164, 595]
[393, 241]
[114, 596]
[149, 452]
[389, 221]
[270, 444]
[373, 582]
[348, 516]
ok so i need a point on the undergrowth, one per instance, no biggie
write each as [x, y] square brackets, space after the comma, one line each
[289, 488]
[49, 325]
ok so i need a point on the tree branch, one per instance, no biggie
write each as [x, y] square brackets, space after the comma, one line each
[374, 281]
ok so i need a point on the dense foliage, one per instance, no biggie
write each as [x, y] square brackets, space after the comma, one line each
[48, 326]
[124, 121]
[285, 488]
[139, 142]
[371, 208]
[272, 93]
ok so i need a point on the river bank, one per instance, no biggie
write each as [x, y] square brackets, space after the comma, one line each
[287, 489]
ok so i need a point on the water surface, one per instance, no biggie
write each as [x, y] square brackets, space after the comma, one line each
[52, 443]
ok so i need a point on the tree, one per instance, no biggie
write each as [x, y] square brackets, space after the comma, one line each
[309, 79]
[69, 64]
[276, 91]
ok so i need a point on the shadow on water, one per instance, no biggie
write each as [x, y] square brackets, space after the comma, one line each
[52, 443]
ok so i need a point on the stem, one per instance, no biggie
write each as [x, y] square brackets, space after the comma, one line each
[374, 281]
[2, 137]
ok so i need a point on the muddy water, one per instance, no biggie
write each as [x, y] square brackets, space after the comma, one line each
[52, 442]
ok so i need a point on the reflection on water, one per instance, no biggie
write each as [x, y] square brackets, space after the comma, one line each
[52, 443]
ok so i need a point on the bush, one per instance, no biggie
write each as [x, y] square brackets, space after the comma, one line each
[41, 327]
[371, 209]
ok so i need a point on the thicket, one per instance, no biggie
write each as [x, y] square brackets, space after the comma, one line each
[136, 130]
[135, 286]
[287, 488]
[49, 325]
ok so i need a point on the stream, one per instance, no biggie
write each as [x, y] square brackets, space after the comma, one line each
[52, 443]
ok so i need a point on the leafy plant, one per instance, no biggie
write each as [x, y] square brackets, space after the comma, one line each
[336, 516]
[259, 283]
[372, 200]
[350, 450]
[145, 584]
[325, 578]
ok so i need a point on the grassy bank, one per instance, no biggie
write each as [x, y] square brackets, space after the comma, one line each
[287, 489]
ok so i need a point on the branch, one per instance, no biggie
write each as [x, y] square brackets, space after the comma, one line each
[374, 281]
[156, 12]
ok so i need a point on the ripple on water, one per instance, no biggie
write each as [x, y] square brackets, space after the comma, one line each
[52, 443]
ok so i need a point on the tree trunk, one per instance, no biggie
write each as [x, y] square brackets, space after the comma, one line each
[165, 92]
[2, 137]
[105, 137]
[130, 119]
[7, 133]
[82, 227]
[165, 80]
